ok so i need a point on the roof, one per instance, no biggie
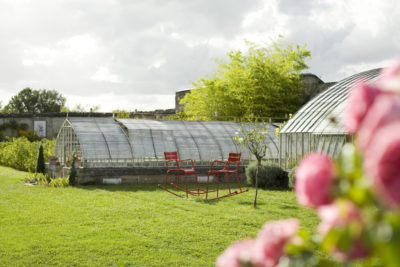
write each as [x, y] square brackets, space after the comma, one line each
[324, 113]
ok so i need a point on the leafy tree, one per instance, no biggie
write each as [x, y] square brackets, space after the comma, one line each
[264, 81]
[40, 167]
[35, 101]
[253, 137]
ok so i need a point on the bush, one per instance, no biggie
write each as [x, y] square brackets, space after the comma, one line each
[72, 172]
[292, 179]
[21, 154]
[44, 179]
[59, 182]
[270, 175]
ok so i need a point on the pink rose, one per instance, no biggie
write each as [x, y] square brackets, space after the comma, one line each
[264, 251]
[271, 241]
[236, 253]
[385, 110]
[339, 215]
[389, 78]
[361, 97]
[314, 180]
[382, 163]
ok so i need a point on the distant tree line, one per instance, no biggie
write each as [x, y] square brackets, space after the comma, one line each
[30, 100]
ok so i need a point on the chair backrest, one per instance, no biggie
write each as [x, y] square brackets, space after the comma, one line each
[171, 156]
[234, 158]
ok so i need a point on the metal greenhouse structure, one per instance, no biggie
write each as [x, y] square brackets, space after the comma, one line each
[318, 125]
[108, 142]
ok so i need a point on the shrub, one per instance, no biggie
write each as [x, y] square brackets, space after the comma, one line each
[44, 179]
[21, 154]
[40, 168]
[59, 182]
[72, 172]
[292, 179]
[270, 175]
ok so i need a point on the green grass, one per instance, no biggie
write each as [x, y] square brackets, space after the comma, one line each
[136, 224]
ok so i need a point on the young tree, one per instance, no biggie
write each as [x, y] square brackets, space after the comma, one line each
[253, 136]
[40, 167]
[35, 101]
[264, 81]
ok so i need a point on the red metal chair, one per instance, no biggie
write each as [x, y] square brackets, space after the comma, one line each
[234, 158]
[173, 157]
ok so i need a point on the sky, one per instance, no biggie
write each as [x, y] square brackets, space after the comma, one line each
[135, 54]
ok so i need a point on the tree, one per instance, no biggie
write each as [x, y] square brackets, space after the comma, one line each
[35, 101]
[40, 167]
[264, 81]
[253, 137]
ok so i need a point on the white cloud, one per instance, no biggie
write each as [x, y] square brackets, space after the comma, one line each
[103, 74]
[115, 50]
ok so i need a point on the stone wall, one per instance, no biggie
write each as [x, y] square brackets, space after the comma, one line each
[55, 120]
[132, 175]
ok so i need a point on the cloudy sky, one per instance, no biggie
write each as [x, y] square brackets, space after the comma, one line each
[134, 54]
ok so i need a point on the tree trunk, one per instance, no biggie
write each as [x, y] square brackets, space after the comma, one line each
[255, 197]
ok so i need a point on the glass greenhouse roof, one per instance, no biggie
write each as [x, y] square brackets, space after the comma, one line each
[134, 140]
[324, 113]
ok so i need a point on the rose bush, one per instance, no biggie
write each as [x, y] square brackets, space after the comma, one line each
[357, 196]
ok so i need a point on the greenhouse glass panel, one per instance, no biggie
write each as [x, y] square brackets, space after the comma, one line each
[318, 125]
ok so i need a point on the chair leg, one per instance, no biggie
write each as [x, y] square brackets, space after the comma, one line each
[166, 179]
[227, 182]
[208, 181]
[197, 184]
[217, 184]
[238, 181]
[186, 185]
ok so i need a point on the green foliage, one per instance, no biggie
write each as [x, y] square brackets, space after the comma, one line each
[292, 178]
[21, 154]
[270, 176]
[122, 114]
[45, 180]
[59, 182]
[101, 225]
[253, 136]
[35, 101]
[72, 172]
[40, 168]
[19, 129]
[264, 81]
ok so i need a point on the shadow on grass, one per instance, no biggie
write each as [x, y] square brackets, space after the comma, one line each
[150, 187]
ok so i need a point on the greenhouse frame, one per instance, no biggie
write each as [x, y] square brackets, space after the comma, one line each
[109, 142]
[318, 125]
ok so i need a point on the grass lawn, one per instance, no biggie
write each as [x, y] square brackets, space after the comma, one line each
[136, 224]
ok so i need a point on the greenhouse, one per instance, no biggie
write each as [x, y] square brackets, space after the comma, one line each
[108, 142]
[318, 125]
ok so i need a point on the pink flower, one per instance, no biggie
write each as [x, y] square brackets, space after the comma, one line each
[340, 215]
[361, 97]
[389, 79]
[382, 163]
[264, 251]
[314, 180]
[233, 255]
[271, 241]
[385, 110]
